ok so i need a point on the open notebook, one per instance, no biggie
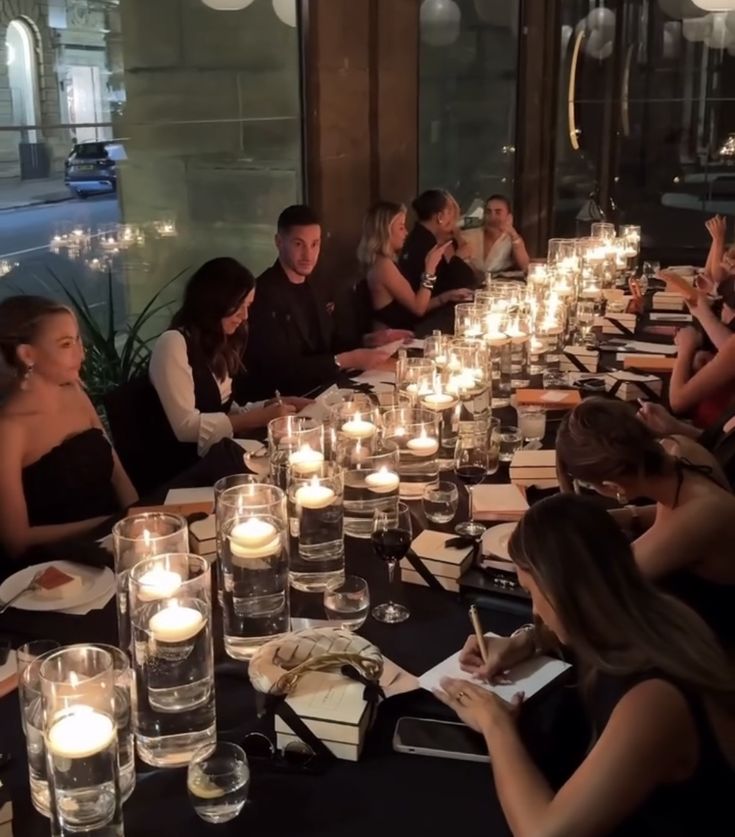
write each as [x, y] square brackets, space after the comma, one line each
[528, 677]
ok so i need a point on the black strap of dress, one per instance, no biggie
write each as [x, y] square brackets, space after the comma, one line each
[684, 466]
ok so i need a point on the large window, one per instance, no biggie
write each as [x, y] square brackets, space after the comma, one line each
[646, 103]
[467, 84]
[142, 137]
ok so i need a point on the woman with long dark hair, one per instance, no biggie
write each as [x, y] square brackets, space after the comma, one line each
[685, 541]
[193, 363]
[60, 477]
[660, 691]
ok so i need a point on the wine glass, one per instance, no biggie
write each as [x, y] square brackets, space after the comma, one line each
[392, 535]
[471, 459]
[649, 272]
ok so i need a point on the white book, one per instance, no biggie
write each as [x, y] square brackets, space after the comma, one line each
[498, 502]
[528, 677]
[410, 576]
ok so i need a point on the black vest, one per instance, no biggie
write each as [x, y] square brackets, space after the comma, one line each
[207, 398]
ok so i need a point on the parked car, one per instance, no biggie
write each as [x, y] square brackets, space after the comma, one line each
[91, 167]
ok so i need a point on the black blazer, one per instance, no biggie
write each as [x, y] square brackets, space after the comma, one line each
[286, 351]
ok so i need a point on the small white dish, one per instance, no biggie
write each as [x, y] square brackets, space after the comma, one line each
[95, 583]
[495, 540]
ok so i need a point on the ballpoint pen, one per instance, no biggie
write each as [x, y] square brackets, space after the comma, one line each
[475, 619]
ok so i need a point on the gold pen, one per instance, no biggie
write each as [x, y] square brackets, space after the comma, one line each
[475, 619]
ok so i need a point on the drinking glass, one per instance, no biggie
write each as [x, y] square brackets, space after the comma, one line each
[649, 272]
[440, 502]
[218, 781]
[471, 458]
[510, 441]
[348, 602]
[392, 536]
[532, 423]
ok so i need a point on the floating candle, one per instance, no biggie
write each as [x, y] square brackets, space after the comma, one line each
[358, 428]
[423, 445]
[175, 624]
[314, 495]
[382, 481]
[158, 583]
[306, 460]
[254, 538]
[80, 733]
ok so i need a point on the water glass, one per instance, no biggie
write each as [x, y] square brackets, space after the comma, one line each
[217, 781]
[510, 441]
[532, 422]
[135, 539]
[440, 502]
[171, 619]
[253, 525]
[316, 527]
[80, 735]
[347, 602]
[30, 656]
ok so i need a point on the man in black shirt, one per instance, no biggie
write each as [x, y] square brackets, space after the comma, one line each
[291, 340]
[437, 214]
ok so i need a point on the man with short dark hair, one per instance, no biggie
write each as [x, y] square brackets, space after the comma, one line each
[291, 340]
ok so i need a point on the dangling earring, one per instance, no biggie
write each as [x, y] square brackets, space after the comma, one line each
[620, 497]
[26, 376]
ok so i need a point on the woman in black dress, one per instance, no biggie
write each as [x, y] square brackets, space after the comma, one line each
[60, 477]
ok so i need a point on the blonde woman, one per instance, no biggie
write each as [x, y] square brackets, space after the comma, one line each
[395, 303]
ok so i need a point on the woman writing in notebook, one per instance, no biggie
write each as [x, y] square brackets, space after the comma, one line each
[659, 690]
[686, 541]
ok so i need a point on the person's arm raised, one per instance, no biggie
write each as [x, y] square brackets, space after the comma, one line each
[687, 390]
[387, 276]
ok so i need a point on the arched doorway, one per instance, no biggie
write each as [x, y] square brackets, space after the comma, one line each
[22, 75]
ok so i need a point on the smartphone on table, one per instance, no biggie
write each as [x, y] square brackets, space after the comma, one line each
[442, 739]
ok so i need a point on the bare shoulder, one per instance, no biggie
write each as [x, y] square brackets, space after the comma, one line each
[78, 400]
[12, 434]
[383, 269]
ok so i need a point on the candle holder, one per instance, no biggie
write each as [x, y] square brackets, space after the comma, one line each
[171, 618]
[414, 376]
[135, 539]
[316, 526]
[80, 735]
[518, 332]
[294, 442]
[253, 527]
[371, 482]
[603, 229]
[356, 418]
[468, 320]
[416, 432]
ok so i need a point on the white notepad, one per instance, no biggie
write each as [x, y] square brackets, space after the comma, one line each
[528, 677]
[182, 496]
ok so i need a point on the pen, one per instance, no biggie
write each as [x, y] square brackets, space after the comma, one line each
[279, 400]
[475, 619]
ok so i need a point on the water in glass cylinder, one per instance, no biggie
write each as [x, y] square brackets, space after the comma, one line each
[318, 551]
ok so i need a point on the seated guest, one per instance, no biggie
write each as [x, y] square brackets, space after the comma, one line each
[695, 383]
[437, 216]
[192, 363]
[718, 438]
[60, 477]
[291, 344]
[395, 303]
[498, 247]
[686, 541]
[659, 691]
[719, 258]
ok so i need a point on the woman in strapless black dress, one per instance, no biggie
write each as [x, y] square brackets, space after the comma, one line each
[60, 476]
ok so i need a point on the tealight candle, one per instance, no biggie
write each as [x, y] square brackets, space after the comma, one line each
[314, 495]
[80, 733]
[438, 400]
[254, 538]
[175, 624]
[423, 445]
[358, 428]
[382, 481]
[306, 460]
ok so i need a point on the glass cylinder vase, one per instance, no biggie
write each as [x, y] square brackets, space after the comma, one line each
[171, 619]
[294, 442]
[416, 432]
[136, 538]
[371, 482]
[316, 527]
[253, 527]
[80, 734]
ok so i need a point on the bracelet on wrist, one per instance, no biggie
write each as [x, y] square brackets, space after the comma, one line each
[428, 280]
[528, 631]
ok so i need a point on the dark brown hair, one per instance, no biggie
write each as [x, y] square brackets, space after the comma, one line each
[21, 319]
[602, 439]
[616, 621]
[214, 292]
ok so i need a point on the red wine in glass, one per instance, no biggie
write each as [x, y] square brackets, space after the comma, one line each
[391, 544]
[471, 474]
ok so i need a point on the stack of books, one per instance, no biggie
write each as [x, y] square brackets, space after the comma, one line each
[203, 537]
[553, 399]
[613, 323]
[579, 359]
[498, 502]
[629, 386]
[666, 301]
[534, 467]
[445, 563]
[649, 363]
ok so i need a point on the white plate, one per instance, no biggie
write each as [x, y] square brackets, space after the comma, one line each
[495, 540]
[259, 461]
[95, 583]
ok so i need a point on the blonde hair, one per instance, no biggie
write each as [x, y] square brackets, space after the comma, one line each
[375, 239]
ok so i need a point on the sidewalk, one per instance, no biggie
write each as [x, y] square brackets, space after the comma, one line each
[16, 194]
